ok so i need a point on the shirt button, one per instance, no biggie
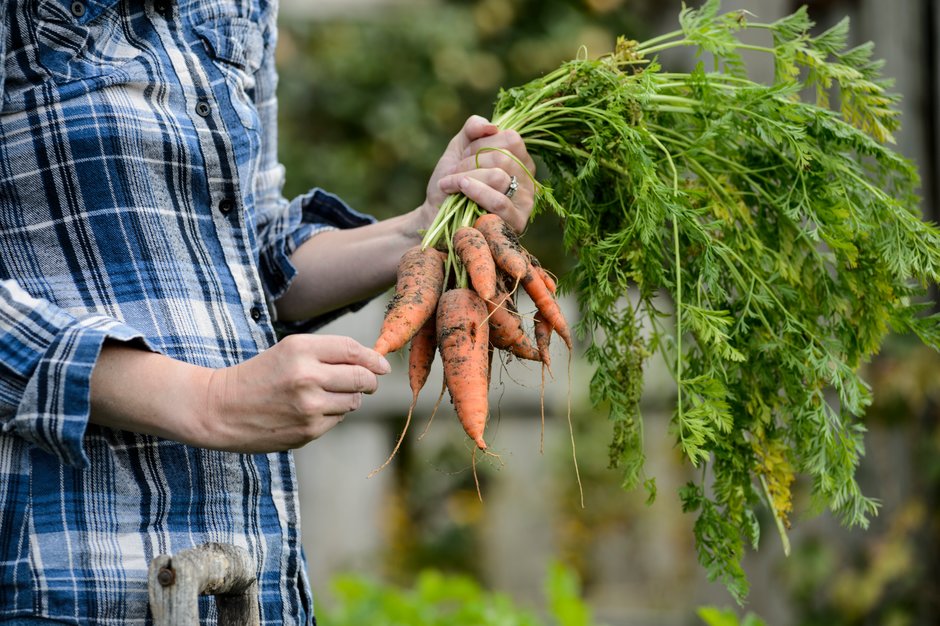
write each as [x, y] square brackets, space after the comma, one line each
[162, 7]
[78, 9]
[226, 205]
[203, 109]
[255, 313]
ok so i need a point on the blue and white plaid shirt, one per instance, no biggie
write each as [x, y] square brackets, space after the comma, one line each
[140, 199]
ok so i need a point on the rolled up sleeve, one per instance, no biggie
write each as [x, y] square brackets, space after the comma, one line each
[46, 359]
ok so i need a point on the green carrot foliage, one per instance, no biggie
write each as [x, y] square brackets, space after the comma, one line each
[760, 240]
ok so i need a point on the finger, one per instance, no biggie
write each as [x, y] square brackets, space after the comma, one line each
[344, 378]
[342, 403]
[326, 423]
[328, 403]
[335, 350]
[507, 140]
[493, 201]
[492, 160]
[498, 179]
[475, 128]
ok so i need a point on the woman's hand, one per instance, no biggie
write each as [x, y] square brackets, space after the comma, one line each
[290, 394]
[479, 162]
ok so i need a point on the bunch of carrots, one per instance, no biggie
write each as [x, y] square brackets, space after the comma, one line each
[461, 302]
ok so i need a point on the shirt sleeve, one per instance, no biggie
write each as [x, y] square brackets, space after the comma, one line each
[282, 225]
[3, 46]
[46, 359]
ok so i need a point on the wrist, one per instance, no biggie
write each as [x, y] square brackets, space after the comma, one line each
[187, 415]
[418, 220]
[148, 393]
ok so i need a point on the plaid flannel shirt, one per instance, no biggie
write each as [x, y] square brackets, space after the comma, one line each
[140, 200]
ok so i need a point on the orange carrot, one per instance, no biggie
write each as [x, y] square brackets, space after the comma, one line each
[543, 274]
[506, 332]
[420, 281]
[543, 329]
[475, 254]
[543, 335]
[508, 254]
[420, 359]
[546, 304]
[463, 337]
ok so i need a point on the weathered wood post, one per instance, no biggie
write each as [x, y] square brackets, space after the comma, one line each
[175, 583]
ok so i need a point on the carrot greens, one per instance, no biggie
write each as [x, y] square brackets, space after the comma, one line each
[782, 230]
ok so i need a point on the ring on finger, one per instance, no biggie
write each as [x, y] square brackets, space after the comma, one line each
[513, 185]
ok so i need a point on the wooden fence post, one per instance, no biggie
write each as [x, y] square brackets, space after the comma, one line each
[175, 583]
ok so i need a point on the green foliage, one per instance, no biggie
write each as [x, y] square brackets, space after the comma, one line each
[716, 617]
[887, 575]
[437, 599]
[564, 598]
[786, 235]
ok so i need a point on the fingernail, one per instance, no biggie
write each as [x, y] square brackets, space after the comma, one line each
[384, 365]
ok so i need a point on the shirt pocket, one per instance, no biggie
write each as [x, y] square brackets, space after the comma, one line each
[82, 41]
[236, 45]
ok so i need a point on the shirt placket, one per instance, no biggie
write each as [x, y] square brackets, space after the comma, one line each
[225, 193]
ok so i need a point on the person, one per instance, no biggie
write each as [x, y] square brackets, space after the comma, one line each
[148, 265]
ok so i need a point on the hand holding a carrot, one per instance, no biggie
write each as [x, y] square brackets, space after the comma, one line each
[479, 163]
[291, 394]
[283, 398]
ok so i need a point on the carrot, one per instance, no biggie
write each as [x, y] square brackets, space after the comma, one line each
[475, 254]
[543, 335]
[420, 281]
[420, 359]
[543, 329]
[463, 337]
[508, 254]
[543, 274]
[421, 356]
[506, 331]
[546, 304]
[506, 326]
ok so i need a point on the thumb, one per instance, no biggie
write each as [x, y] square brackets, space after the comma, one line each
[346, 350]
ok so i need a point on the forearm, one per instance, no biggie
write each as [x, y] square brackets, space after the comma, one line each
[281, 399]
[148, 393]
[337, 268]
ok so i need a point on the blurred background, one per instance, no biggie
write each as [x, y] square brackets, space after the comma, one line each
[371, 91]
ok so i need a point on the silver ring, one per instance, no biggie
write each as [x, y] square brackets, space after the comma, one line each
[513, 185]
